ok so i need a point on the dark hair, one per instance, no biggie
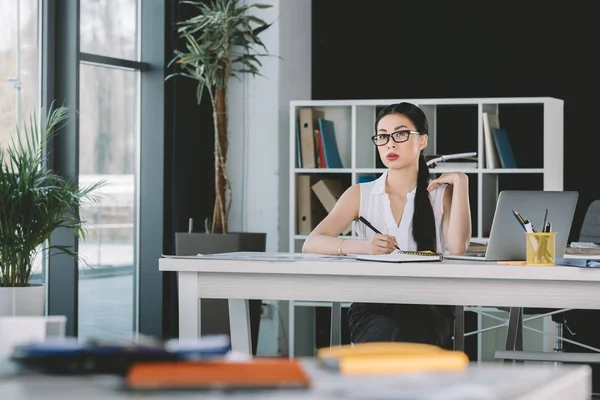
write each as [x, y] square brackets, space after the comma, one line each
[423, 226]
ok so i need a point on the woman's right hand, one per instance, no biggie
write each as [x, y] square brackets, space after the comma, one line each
[381, 244]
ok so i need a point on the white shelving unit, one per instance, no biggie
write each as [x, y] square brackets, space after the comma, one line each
[354, 125]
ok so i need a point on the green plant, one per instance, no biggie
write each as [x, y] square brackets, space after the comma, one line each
[220, 43]
[34, 201]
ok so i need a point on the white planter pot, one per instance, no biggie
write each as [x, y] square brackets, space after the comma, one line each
[23, 301]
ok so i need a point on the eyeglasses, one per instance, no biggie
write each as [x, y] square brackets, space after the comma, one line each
[382, 139]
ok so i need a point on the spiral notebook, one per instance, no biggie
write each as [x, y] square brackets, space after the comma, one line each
[398, 256]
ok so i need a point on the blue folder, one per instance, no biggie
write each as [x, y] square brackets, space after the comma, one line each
[330, 148]
[504, 149]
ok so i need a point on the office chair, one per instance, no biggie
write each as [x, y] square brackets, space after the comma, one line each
[590, 232]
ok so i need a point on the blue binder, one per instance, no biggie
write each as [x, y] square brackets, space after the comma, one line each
[505, 153]
[332, 154]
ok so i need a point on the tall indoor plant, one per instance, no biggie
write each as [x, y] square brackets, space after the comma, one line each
[221, 42]
[34, 201]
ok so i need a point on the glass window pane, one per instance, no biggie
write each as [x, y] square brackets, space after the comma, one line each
[29, 90]
[108, 151]
[29, 58]
[19, 79]
[8, 70]
[109, 28]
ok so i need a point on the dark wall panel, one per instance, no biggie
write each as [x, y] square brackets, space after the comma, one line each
[434, 49]
[189, 169]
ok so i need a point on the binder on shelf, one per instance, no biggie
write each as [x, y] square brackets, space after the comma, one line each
[328, 191]
[308, 119]
[309, 212]
[490, 121]
[330, 148]
[298, 146]
[505, 153]
[319, 149]
[366, 178]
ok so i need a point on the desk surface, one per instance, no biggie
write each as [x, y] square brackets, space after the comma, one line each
[451, 282]
[353, 267]
[482, 382]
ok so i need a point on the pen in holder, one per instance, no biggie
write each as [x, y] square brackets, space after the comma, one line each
[540, 248]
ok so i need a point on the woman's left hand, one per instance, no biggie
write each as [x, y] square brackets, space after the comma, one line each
[449, 178]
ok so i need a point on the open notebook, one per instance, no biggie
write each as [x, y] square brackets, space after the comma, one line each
[398, 256]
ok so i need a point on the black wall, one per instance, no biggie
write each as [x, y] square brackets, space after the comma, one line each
[189, 174]
[451, 49]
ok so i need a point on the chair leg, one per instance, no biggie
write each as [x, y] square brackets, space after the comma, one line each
[459, 329]
[514, 337]
[335, 338]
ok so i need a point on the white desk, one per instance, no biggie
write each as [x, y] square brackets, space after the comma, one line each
[481, 382]
[450, 282]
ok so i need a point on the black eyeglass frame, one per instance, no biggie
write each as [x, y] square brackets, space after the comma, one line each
[392, 135]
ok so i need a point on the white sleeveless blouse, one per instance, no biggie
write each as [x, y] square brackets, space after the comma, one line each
[375, 208]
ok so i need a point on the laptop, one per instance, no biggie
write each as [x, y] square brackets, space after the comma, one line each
[507, 237]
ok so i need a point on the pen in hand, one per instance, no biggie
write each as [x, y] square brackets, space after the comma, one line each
[368, 224]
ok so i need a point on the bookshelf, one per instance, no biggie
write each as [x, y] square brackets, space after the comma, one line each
[455, 126]
[534, 125]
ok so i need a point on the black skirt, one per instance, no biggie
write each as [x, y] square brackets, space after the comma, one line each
[430, 324]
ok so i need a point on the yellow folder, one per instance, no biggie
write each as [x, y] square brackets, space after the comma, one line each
[378, 358]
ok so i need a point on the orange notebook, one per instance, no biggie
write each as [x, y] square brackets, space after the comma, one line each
[257, 374]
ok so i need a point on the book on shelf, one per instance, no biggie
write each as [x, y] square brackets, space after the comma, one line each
[490, 121]
[328, 191]
[315, 140]
[505, 152]
[308, 210]
[330, 148]
[366, 178]
[308, 119]
[298, 146]
[319, 150]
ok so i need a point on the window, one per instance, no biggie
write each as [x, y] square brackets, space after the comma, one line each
[19, 75]
[109, 81]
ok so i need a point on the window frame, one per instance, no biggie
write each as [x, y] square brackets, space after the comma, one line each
[60, 62]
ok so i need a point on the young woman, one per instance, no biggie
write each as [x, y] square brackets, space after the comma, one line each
[412, 212]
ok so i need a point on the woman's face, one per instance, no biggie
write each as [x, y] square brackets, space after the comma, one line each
[399, 155]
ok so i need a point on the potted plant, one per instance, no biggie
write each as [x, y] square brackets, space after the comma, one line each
[221, 42]
[34, 201]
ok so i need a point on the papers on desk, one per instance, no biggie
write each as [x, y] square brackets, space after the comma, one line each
[586, 262]
[264, 256]
[585, 245]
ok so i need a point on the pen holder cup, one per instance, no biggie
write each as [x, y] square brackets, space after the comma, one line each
[540, 248]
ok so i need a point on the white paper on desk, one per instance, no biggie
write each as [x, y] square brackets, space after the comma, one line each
[265, 256]
[584, 245]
